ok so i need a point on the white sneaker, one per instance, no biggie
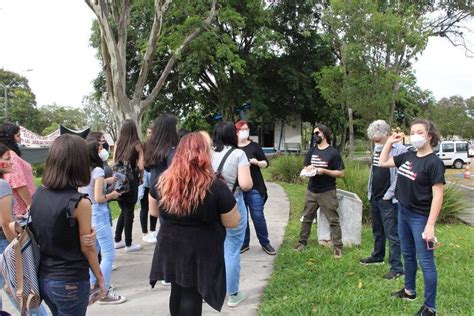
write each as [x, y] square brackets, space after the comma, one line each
[235, 300]
[114, 267]
[149, 238]
[133, 248]
[165, 283]
[112, 298]
[119, 244]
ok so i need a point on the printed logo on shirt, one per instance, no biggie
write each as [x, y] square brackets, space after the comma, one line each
[405, 170]
[318, 162]
[375, 159]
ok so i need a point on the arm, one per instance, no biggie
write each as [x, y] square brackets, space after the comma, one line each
[141, 159]
[24, 194]
[260, 159]
[258, 163]
[331, 173]
[385, 160]
[231, 219]
[245, 178]
[83, 215]
[436, 204]
[99, 195]
[397, 150]
[153, 206]
[6, 217]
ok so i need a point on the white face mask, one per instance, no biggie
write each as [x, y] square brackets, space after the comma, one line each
[378, 147]
[104, 154]
[417, 141]
[243, 135]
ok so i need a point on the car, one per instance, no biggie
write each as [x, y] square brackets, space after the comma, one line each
[471, 150]
[453, 153]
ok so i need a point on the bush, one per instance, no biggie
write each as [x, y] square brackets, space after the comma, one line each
[38, 169]
[453, 203]
[356, 177]
[287, 168]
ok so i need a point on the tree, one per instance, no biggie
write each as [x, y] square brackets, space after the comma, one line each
[55, 115]
[129, 99]
[98, 116]
[21, 108]
[451, 117]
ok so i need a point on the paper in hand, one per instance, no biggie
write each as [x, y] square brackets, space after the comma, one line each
[305, 173]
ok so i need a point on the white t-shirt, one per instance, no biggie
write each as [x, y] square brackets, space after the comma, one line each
[96, 173]
[236, 159]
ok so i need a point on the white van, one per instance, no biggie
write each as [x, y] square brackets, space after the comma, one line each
[453, 152]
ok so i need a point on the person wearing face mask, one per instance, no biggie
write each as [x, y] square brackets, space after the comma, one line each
[326, 161]
[419, 191]
[255, 198]
[383, 204]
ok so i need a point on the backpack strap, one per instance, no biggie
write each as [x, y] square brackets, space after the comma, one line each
[71, 206]
[227, 154]
[19, 276]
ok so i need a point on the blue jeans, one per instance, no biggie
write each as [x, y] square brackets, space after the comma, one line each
[105, 241]
[232, 244]
[255, 202]
[410, 227]
[41, 311]
[385, 226]
[65, 298]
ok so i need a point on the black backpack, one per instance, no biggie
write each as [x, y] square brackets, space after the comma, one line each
[124, 173]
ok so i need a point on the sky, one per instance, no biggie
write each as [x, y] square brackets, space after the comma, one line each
[52, 50]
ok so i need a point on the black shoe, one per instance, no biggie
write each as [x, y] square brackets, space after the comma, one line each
[425, 311]
[392, 275]
[404, 295]
[269, 249]
[244, 249]
[370, 260]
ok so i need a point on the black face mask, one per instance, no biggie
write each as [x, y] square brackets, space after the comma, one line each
[317, 139]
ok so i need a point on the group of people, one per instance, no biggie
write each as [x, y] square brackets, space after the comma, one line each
[201, 190]
[405, 190]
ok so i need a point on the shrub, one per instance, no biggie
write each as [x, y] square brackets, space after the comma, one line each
[38, 169]
[356, 175]
[453, 203]
[287, 168]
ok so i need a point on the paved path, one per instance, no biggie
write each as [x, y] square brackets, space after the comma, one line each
[131, 277]
[468, 215]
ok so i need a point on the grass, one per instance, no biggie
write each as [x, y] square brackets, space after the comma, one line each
[313, 283]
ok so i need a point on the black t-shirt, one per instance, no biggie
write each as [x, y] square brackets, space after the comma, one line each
[380, 178]
[253, 150]
[218, 200]
[158, 169]
[328, 158]
[60, 246]
[416, 176]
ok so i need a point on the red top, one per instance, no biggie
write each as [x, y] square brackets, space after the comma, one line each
[21, 175]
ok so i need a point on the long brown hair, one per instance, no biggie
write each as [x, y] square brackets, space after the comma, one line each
[185, 183]
[126, 142]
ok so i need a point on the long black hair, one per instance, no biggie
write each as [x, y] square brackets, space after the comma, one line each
[7, 136]
[225, 134]
[127, 140]
[163, 138]
[94, 159]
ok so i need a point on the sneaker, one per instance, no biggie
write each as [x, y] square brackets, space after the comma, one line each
[165, 283]
[114, 267]
[404, 295]
[425, 311]
[120, 244]
[314, 220]
[112, 298]
[392, 275]
[370, 261]
[149, 238]
[269, 250]
[337, 253]
[236, 299]
[111, 287]
[133, 248]
[299, 247]
[244, 249]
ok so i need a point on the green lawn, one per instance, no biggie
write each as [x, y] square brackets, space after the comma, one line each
[313, 283]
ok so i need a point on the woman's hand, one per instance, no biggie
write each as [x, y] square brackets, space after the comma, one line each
[395, 138]
[103, 290]
[113, 195]
[253, 161]
[428, 233]
[89, 239]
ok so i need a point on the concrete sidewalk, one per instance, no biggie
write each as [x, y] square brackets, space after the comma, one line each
[131, 276]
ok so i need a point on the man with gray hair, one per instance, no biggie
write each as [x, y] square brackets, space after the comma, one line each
[384, 207]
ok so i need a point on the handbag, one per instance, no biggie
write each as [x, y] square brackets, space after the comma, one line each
[19, 266]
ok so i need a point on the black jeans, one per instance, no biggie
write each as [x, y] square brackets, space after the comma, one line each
[185, 301]
[144, 214]
[385, 226]
[125, 222]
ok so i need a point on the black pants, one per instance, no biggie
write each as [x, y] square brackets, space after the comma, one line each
[144, 214]
[185, 301]
[125, 222]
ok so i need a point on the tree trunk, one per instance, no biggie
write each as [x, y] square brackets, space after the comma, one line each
[351, 132]
[391, 114]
